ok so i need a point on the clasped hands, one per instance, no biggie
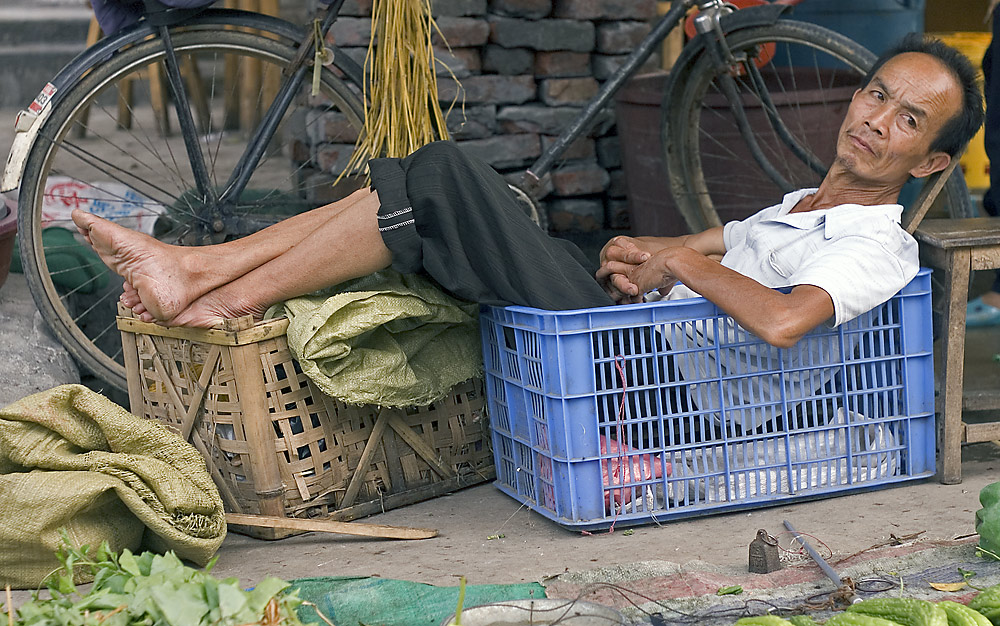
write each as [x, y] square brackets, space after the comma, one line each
[631, 268]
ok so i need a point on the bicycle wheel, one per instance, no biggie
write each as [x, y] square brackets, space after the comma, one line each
[107, 148]
[809, 74]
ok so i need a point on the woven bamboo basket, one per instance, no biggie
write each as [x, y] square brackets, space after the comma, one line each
[277, 446]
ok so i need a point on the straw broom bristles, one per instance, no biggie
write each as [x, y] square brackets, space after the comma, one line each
[402, 112]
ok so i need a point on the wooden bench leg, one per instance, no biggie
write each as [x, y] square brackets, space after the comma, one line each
[955, 297]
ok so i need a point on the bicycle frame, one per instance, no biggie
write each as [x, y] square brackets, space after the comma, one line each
[30, 120]
[714, 20]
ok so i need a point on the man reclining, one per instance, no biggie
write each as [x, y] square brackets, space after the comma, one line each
[839, 247]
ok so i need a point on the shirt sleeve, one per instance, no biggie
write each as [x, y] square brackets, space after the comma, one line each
[734, 233]
[860, 273]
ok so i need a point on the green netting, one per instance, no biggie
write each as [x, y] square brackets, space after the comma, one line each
[389, 602]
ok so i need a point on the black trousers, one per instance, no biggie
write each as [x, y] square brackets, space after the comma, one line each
[453, 218]
[991, 90]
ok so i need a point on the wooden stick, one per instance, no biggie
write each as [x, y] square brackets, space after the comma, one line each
[198, 393]
[928, 194]
[358, 478]
[425, 451]
[331, 526]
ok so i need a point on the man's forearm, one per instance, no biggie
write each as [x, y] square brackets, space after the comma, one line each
[778, 318]
[708, 242]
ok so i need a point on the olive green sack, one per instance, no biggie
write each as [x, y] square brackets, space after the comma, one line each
[70, 458]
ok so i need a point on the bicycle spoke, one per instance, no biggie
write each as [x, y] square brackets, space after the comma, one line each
[147, 141]
[109, 167]
[135, 157]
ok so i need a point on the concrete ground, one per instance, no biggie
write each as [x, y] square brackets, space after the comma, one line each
[532, 547]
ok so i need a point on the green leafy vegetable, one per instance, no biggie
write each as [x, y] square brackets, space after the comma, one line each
[988, 520]
[150, 589]
[731, 590]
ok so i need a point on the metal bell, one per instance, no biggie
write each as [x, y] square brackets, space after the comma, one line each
[764, 554]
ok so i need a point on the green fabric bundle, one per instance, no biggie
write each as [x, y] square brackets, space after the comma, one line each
[386, 339]
[70, 458]
[73, 266]
[988, 518]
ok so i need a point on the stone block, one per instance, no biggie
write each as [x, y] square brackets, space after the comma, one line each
[581, 148]
[572, 35]
[493, 89]
[532, 9]
[606, 65]
[604, 9]
[562, 64]
[618, 186]
[509, 61]
[504, 151]
[352, 31]
[458, 62]
[566, 91]
[33, 359]
[332, 157]
[476, 122]
[329, 127]
[458, 7]
[356, 8]
[357, 54]
[461, 32]
[609, 151]
[536, 118]
[320, 187]
[579, 178]
[620, 37]
[618, 214]
[576, 215]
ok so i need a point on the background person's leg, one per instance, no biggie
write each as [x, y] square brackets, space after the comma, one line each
[985, 310]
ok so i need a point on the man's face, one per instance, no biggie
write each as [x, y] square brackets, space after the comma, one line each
[893, 120]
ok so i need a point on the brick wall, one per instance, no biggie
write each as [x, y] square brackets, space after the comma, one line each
[525, 68]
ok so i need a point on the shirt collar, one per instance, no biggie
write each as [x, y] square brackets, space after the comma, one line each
[836, 217]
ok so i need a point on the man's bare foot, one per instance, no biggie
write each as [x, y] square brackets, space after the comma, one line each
[152, 269]
[210, 309]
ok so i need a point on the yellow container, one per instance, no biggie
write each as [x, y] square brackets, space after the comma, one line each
[974, 163]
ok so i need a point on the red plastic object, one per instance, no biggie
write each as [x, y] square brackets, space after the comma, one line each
[8, 228]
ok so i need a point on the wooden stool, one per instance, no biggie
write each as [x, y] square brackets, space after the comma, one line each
[959, 247]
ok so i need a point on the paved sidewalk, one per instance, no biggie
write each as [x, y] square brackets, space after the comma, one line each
[532, 547]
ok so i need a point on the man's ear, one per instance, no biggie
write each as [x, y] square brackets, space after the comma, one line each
[935, 162]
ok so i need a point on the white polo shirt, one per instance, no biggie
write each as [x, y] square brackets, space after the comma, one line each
[858, 254]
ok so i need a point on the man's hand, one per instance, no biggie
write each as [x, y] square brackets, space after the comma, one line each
[619, 258]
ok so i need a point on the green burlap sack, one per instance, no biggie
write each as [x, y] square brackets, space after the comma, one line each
[386, 339]
[70, 458]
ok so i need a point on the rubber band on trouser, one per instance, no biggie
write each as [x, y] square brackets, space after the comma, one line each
[454, 218]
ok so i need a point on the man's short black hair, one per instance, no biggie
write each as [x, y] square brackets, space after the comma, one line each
[959, 129]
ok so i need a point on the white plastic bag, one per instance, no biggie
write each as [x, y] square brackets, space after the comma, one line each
[113, 201]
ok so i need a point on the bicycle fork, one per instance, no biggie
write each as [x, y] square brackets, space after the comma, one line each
[218, 216]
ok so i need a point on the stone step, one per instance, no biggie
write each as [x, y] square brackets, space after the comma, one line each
[36, 41]
[25, 70]
[52, 25]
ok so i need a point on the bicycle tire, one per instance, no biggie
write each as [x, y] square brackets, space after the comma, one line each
[713, 180]
[81, 144]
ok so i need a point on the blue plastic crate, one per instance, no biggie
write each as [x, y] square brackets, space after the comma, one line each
[711, 418]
